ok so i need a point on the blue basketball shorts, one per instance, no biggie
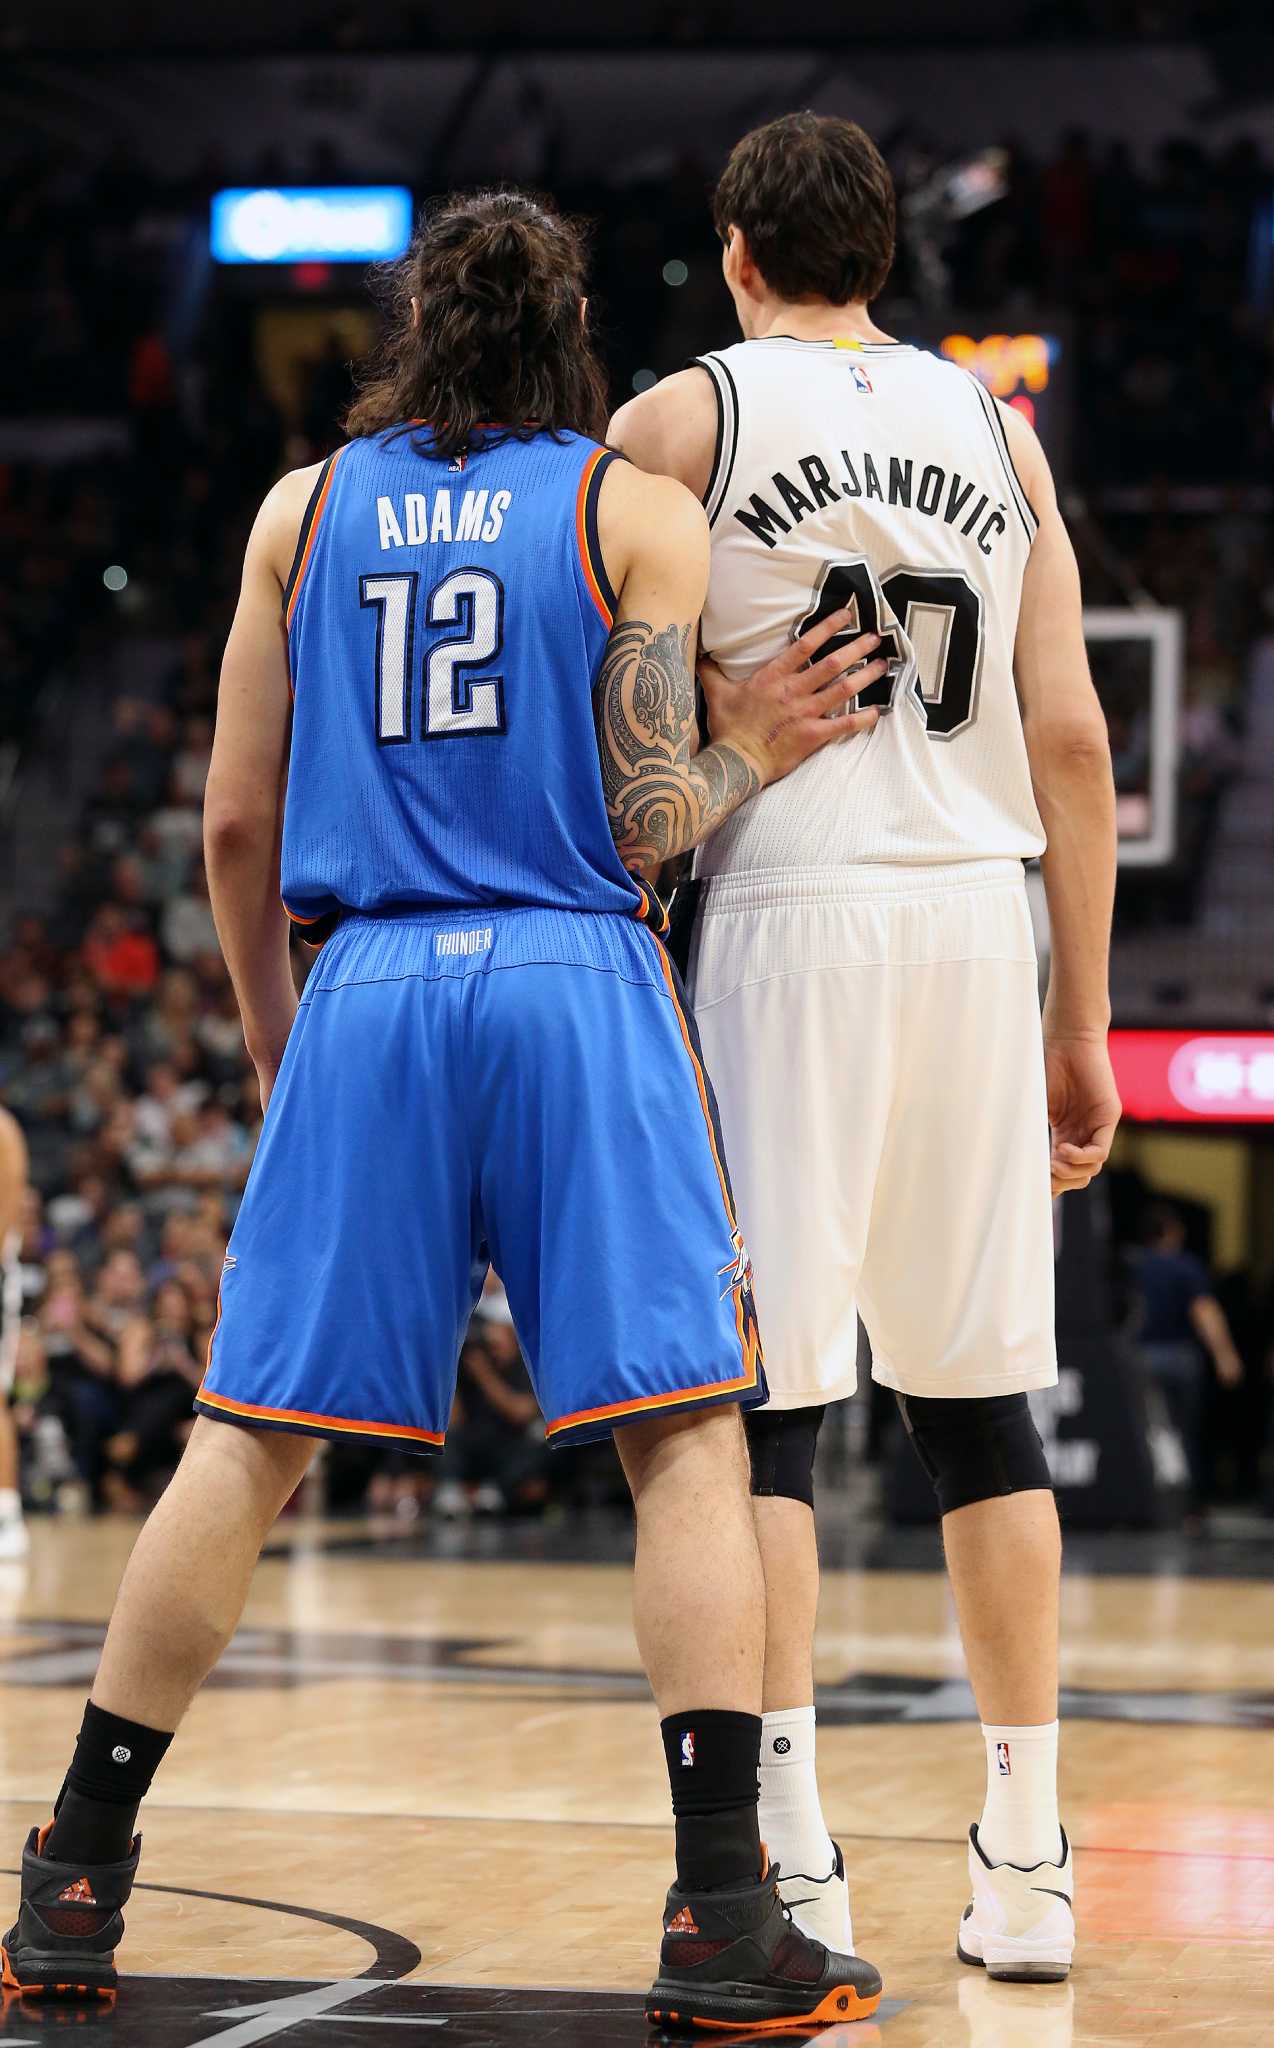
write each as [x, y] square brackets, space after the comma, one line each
[523, 1086]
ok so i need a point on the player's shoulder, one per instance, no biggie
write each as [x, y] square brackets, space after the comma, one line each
[631, 493]
[1025, 446]
[285, 501]
[672, 427]
[683, 392]
[285, 511]
[643, 518]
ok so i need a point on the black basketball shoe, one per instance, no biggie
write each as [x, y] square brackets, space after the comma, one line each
[734, 1961]
[69, 1924]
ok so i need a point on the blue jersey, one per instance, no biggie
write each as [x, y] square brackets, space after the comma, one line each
[446, 620]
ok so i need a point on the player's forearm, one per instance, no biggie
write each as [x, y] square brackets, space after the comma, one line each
[1075, 792]
[242, 858]
[667, 809]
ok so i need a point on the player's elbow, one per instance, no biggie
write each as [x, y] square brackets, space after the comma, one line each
[1075, 746]
[232, 826]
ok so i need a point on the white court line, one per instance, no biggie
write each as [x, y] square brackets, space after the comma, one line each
[265, 2022]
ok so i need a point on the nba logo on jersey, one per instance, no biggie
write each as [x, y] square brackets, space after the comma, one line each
[688, 1750]
[1002, 1760]
[862, 382]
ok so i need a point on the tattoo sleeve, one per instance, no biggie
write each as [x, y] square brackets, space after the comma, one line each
[661, 798]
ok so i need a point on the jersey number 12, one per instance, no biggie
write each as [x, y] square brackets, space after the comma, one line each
[456, 704]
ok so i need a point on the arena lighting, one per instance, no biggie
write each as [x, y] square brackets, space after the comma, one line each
[1005, 363]
[1195, 1077]
[310, 224]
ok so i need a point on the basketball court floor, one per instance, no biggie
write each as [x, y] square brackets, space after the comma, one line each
[423, 1797]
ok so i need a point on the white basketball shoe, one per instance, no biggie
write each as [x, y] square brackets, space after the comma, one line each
[1020, 1924]
[820, 1905]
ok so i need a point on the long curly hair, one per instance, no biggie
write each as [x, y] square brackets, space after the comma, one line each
[485, 326]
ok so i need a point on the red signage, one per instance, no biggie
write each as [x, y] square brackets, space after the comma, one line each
[1189, 1077]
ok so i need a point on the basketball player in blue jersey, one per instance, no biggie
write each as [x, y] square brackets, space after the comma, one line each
[456, 712]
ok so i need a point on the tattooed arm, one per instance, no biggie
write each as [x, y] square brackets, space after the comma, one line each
[662, 798]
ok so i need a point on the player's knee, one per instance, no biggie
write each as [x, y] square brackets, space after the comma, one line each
[267, 1465]
[976, 1450]
[655, 1445]
[781, 1444]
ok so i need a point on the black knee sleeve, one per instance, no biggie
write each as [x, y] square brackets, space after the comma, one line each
[976, 1449]
[781, 1444]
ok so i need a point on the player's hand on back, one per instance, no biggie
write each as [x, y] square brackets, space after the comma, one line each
[799, 702]
[1083, 1109]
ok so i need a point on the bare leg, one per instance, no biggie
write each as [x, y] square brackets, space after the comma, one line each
[792, 1822]
[187, 1580]
[698, 1587]
[789, 1556]
[1005, 1559]
[1004, 1556]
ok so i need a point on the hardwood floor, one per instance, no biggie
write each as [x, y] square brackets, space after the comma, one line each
[449, 1774]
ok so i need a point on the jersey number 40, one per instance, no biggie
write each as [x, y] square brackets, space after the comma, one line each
[940, 614]
[455, 703]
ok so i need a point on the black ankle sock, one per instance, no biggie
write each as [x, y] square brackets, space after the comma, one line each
[713, 1769]
[110, 1775]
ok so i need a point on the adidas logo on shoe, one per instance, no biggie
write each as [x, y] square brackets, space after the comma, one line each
[78, 1894]
[683, 1922]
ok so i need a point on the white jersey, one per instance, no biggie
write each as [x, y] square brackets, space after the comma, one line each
[875, 475]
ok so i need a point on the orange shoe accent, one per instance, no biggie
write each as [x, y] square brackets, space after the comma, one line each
[10, 1981]
[43, 1837]
[842, 2005]
[684, 1923]
[78, 1894]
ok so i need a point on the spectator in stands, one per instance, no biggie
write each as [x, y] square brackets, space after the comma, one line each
[120, 954]
[81, 1364]
[1182, 1330]
[157, 1375]
[187, 927]
[496, 1460]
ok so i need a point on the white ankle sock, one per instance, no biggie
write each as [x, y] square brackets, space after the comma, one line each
[792, 1824]
[10, 1504]
[1019, 1822]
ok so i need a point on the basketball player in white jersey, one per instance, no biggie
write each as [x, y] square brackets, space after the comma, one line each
[13, 1185]
[864, 973]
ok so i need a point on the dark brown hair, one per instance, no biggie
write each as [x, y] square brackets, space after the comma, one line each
[815, 200]
[499, 277]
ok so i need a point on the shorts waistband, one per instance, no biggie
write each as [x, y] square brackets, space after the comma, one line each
[449, 945]
[767, 888]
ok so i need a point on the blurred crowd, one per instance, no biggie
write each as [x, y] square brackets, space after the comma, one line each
[123, 515]
[159, 434]
[122, 1056]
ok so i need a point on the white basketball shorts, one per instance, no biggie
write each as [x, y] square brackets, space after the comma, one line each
[873, 1036]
